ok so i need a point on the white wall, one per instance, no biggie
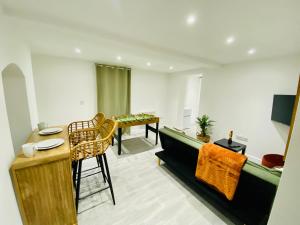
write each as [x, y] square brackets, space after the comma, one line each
[240, 97]
[287, 201]
[65, 89]
[149, 93]
[176, 92]
[62, 84]
[12, 51]
[17, 106]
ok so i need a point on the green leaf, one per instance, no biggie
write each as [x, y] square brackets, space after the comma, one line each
[204, 123]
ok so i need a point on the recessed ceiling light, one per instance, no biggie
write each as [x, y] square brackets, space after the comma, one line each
[77, 50]
[251, 51]
[230, 40]
[119, 58]
[191, 19]
[171, 67]
[148, 63]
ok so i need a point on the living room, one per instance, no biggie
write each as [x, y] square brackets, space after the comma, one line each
[225, 60]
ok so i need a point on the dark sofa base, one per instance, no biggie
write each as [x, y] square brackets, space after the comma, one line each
[237, 213]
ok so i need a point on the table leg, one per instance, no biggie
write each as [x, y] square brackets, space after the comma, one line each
[156, 133]
[119, 140]
[243, 151]
[113, 140]
[146, 131]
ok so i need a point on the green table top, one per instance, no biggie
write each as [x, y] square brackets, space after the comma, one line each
[136, 117]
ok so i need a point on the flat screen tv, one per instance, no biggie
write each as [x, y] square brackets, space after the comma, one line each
[283, 108]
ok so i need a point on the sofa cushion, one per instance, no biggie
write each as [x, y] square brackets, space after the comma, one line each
[270, 175]
[193, 142]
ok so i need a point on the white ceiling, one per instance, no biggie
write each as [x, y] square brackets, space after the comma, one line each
[156, 31]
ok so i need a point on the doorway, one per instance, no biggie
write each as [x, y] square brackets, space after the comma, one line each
[192, 102]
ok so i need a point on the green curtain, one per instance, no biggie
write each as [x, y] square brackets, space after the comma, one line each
[113, 87]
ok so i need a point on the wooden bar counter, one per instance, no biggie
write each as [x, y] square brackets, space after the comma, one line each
[43, 184]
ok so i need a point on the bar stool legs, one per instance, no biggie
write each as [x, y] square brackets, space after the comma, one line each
[102, 167]
[77, 165]
[108, 179]
[74, 167]
[78, 184]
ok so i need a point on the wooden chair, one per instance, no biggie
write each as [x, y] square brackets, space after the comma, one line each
[93, 143]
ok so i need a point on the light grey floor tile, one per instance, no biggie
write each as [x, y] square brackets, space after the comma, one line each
[146, 194]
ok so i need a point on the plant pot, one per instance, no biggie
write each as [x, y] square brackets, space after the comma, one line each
[203, 138]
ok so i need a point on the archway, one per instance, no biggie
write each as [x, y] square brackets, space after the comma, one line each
[14, 87]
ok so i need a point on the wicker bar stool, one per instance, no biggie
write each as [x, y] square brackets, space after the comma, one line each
[79, 125]
[85, 136]
[93, 143]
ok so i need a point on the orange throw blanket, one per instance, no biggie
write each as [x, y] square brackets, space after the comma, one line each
[220, 168]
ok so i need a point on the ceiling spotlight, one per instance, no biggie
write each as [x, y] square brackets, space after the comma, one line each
[251, 51]
[230, 40]
[77, 50]
[191, 19]
[148, 63]
[119, 58]
[171, 67]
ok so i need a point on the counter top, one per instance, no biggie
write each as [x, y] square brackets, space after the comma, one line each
[45, 156]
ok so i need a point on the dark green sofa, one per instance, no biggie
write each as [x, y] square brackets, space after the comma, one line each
[255, 193]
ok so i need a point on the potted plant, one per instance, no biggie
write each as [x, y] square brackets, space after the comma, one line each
[204, 123]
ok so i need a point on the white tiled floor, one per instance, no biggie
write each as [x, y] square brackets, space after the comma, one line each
[146, 194]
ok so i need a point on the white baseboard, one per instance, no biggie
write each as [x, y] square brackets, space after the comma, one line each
[254, 159]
